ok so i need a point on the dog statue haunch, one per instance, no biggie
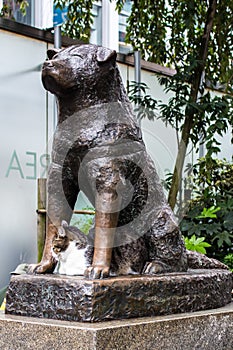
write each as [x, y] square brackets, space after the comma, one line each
[98, 148]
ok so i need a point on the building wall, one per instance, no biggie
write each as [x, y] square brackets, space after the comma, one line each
[24, 126]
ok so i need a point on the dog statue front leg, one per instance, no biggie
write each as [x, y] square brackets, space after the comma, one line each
[48, 262]
[106, 219]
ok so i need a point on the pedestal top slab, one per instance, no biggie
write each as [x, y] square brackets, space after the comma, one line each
[79, 299]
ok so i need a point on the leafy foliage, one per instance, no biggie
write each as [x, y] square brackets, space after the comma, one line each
[145, 105]
[211, 211]
[167, 181]
[228, 260]
[6, 10]
[80, 18]
[170, 32]
[212, 113]
[196, 244]
[84, 222]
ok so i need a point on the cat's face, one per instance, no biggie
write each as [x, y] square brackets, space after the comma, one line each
[76, 67]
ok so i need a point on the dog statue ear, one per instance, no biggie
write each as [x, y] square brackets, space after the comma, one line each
[51, 53]
[105, 55]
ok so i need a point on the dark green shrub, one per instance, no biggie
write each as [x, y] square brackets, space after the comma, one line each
[228, 260]
[210, 213]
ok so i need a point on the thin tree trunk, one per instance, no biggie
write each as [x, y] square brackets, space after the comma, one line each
[190, 112]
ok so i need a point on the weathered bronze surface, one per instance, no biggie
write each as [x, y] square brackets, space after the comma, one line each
[80, 299]
[98, 148]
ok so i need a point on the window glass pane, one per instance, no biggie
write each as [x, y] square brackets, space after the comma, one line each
[96, 28]
[123, 16]
[19, 17]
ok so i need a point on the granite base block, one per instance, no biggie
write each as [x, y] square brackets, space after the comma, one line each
[79, 299]
[202, 330]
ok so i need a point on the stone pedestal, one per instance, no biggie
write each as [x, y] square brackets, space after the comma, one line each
[78, 299]
[202, 330]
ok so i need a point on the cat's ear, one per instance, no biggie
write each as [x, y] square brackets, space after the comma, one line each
[64, 224]
[62, 229]
[51, 53]
[105, 55]
[61, 232]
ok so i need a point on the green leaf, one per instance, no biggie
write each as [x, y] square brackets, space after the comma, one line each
[228, 221]
[223, 237]
[228, 260]
[196, 244]
[209, 213]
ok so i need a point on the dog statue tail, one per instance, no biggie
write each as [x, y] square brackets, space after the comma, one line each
[200, 261]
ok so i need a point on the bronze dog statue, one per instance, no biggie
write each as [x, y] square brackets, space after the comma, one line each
[98, 148]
